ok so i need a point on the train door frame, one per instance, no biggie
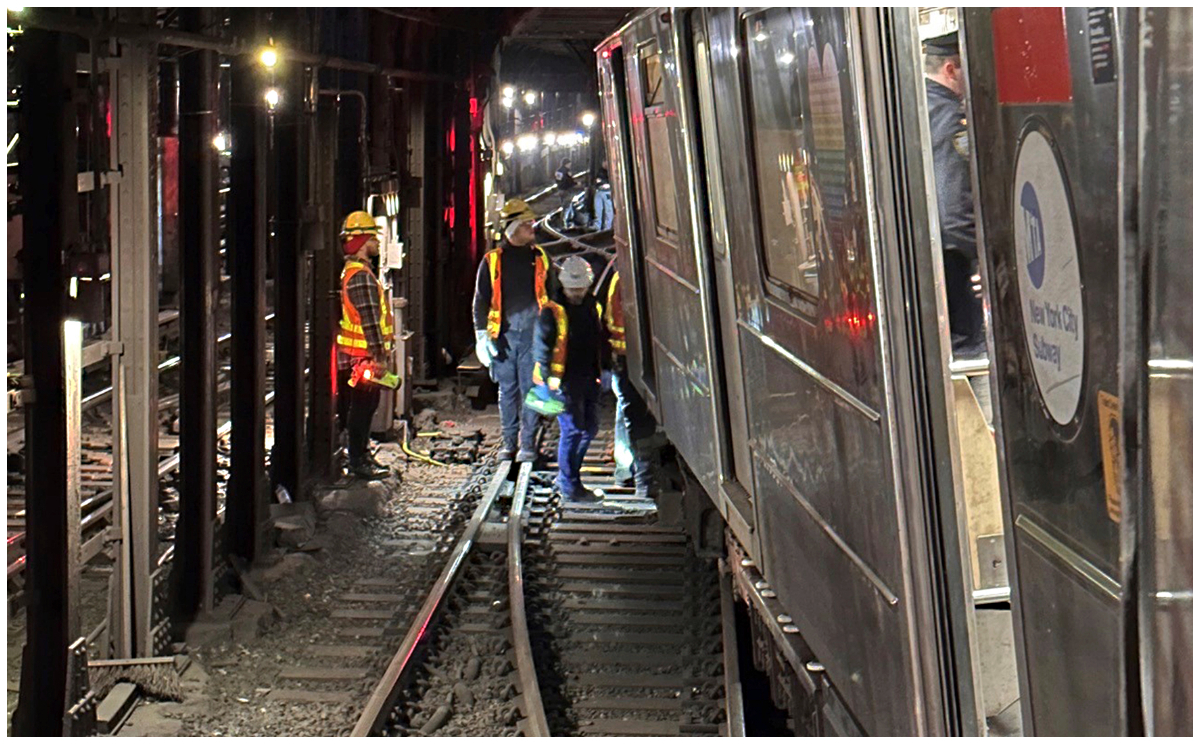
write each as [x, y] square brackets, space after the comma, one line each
[627, 228]
[910, 216]
[730, 427]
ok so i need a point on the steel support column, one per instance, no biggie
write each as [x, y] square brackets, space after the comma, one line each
[50, 207]
[135, 363]
[248, 215]
[292, 162]
[318, 240]
[198, 397]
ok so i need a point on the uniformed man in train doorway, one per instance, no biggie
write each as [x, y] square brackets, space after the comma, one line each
[511, 287]
[945, 88]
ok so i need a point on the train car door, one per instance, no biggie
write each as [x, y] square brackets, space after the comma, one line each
[1045, 90]
[734, 473]
[673, 280]
[614, 99]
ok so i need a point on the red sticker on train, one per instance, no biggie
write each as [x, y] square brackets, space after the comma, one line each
[1031, 59]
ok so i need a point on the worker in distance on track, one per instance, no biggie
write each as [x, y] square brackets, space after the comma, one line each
[569, 355]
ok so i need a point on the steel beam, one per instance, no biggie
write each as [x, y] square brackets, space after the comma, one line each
[292, 161]
[192, 39]
[248, 216]
[198, 409]
[135, 366]
[50, 208]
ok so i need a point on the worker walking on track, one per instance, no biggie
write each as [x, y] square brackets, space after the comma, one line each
[511, 287]
[568, 357]
[364, 342]
[634, 426]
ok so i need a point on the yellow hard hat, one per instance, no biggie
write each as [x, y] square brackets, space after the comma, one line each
[515, 209]
[359, 223]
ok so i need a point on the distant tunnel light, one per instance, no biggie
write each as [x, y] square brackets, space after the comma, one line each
[268, 57]
[527, 142]
[271, 97]
[220, 142]
[508, 102]
[530, 97]
[549, 138]
[507, 147]
[588, 119]
[509, 91]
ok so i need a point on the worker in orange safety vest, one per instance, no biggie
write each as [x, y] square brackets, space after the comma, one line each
[511, 287]
[364, 340]
[634, 424]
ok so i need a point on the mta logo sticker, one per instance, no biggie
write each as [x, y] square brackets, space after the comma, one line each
[1035, 236]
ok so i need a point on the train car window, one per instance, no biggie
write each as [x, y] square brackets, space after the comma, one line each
[652, 80]
[658, 141]
[798, 124]
[712, 152]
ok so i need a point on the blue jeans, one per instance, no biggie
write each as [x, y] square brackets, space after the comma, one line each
[512, 370]
[568, 210]
[602, 211]
[577, 427]
[633, 423]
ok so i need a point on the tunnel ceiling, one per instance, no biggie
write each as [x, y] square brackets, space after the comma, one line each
[550, 49]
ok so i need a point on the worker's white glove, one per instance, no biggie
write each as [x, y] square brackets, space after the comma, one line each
[485, 348]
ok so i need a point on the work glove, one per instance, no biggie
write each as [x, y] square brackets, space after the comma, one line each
[554, 383]
[485, 348]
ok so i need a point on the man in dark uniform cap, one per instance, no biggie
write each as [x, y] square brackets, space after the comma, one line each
[945, 86]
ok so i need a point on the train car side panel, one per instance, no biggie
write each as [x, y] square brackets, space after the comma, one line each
[827, 507]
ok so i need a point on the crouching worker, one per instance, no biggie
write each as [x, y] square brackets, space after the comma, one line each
[568, 355]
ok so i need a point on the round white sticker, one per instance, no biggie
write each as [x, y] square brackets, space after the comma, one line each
[1048, 270]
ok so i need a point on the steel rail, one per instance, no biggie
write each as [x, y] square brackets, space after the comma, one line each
[535, 723]
[383, 699]
[735, 712]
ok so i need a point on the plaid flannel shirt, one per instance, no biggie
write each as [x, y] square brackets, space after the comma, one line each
[363, 291]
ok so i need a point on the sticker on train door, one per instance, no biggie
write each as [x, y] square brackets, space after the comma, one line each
[1108, 408]
[1047, 261]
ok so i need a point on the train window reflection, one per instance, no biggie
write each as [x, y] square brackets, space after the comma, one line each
[658, 141]
[798, 126]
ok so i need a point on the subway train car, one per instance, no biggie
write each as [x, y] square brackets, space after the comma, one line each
[924, 544]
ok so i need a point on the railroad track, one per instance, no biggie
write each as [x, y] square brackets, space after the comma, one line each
[553, 619]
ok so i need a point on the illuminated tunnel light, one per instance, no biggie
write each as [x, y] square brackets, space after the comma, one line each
[268, 57]
[527, 142]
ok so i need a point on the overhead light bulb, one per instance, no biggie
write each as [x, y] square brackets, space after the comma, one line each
[588, 119]
[509, 91]
[549, 138]
[272, 97]
[268, 57]
[507, 147]
[219, 142]
[530, 97]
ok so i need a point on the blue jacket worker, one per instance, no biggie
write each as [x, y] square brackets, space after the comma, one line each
[568, 357]
[566, 191]
[511, 287]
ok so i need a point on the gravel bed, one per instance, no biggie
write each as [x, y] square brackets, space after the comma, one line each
[466, 688]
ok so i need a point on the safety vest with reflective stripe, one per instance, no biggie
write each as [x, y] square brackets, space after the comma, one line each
[558, 358]
[350, 339]
[541, 267]
[614, 316]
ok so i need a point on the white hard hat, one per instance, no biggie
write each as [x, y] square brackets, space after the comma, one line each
[576, 273]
